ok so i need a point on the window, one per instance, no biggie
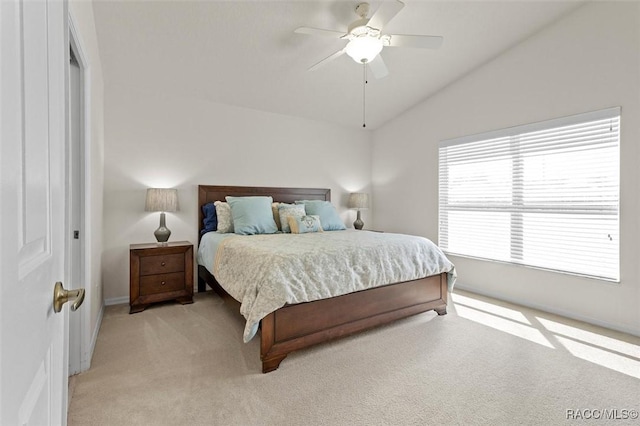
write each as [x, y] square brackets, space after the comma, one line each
[544, 195]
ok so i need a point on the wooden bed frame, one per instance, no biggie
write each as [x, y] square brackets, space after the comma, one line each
[298, 326]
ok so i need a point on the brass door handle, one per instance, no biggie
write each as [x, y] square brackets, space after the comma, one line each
[62, 296]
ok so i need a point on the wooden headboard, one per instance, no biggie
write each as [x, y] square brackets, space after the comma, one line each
[211, 193]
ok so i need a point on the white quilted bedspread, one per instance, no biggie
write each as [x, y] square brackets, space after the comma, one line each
[265, 272]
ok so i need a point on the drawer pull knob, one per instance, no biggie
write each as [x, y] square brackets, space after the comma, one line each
[162, 283]
[162, 264]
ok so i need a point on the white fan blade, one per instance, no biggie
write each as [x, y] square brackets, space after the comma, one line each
[326, 60]
[419, 41]
[318, 32]
[378, 67]
[385, 13]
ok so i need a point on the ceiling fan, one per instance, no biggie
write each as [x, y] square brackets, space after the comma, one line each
[366, 39]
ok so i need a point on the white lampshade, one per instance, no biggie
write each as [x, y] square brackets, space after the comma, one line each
[161, 200]
[358, 201]
[364, 49]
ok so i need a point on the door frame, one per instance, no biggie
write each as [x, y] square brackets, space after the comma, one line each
[80, 336]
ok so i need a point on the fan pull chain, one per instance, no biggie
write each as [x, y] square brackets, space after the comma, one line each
[364, 93]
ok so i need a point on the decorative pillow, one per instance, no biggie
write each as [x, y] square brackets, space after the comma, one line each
[276, 215]
[285, 211]
[210, 221]
[328, 214]
[304, 224]
[252, 215]
[225, 221]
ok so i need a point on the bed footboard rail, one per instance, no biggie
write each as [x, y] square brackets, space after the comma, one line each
[294, 327]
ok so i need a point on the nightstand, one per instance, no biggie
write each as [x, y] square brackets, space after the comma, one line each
[159, 273]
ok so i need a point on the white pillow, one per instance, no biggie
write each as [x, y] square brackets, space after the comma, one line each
[225, 220]
[289, 210]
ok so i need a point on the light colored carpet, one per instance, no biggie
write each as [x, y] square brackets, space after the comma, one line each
[486, 362]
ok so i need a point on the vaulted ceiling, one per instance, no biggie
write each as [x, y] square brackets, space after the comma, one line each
[245, 53]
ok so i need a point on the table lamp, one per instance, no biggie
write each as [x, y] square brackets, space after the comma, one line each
[358, 201]
[162, 200]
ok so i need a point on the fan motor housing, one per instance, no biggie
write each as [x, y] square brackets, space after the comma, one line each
[362, 10]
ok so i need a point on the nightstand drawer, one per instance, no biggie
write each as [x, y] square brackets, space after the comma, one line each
[161, 264]
[155, 284]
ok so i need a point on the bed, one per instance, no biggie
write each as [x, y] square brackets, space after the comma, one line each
[300, 325]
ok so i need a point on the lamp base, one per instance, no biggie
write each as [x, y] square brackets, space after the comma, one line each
[162, 233]
[358, 224]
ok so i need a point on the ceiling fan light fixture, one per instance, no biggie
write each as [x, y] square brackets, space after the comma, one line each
[364, 49]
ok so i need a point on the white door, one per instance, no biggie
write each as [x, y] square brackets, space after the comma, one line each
[33, 339]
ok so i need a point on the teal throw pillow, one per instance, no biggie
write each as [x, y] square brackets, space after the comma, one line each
[329, 216]
[252, 215]
[304, 224]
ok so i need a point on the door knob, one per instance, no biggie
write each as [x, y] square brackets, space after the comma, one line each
[62, 296]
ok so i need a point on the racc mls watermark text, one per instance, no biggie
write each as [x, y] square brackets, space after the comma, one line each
[601, 414]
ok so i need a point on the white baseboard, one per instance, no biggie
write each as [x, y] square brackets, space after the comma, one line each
[85, 363]
[94, 336]
[116, 301]
[561, 312]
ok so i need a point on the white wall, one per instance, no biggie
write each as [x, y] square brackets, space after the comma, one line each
[82, 12]
[586, 61]
[158, 141]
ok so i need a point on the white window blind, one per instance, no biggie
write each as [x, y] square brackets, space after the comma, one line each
[544, 195]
